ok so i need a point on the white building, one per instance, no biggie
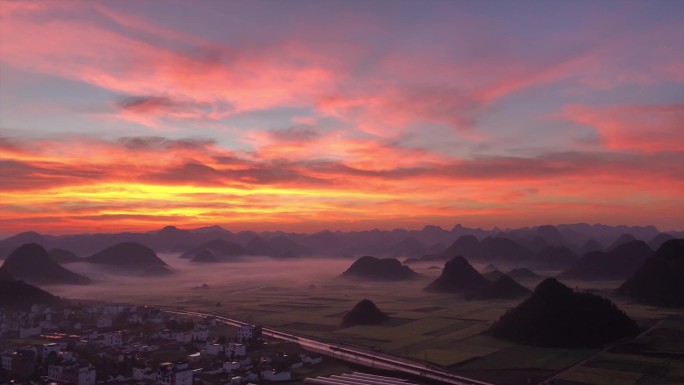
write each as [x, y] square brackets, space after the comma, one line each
[236, 350]
[83, 374]
[112, 339]
[174, 374]
[248, 332]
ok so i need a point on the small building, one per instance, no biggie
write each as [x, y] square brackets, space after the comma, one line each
[236, 350]
[178, 373]
[247, 333]
[214, 349]
[112, 339]
[83, 374]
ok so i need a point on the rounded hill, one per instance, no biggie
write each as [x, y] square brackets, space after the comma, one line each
[30, 262]
[556, 316]
[458, 276]
[364, 313]
[660, 279]
[385, 269]
[127, 255]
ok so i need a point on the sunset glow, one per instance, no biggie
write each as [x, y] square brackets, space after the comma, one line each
[302, 116]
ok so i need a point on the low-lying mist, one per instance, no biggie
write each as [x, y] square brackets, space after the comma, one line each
[251, 274]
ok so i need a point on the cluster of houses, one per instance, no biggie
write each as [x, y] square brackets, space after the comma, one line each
[94, 344]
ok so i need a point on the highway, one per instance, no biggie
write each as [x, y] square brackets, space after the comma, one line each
[351, 353]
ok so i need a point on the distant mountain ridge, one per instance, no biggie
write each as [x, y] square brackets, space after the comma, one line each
[618, 263]
[660, 279]
[397, 243]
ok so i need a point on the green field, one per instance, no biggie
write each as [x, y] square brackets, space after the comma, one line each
[442, 329]
[655, 358]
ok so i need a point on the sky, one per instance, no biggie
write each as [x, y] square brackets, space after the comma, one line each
[309, 115]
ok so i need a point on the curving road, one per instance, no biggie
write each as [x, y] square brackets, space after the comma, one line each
[352, 354]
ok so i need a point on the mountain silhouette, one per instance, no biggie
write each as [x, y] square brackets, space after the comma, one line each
[127, 255]
[30, 262]
[205, 256]
[493, 275]
[407, 247]
[284, 247]
[220, 249]
[504, 287]
[364, 313]
[622, 239]
[385, 243]
[466, 245]
[556, 316]
[590, 246]
[5, 276]
[660, 279]
[385, 269]
[489, 267]
[276, 247]
[170, 238]
[19, 295]
[618, 263]
[522, 273]
[658, 240]
[504, 249]
[63, 256]
[550, 235]
[458, 276]
[555, 257]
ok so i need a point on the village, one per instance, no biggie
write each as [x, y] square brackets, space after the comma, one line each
[89, 344]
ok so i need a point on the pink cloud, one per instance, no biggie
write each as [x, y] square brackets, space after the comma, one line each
[648, 128]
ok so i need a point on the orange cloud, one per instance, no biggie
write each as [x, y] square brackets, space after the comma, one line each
[137, 182]
[356, 106]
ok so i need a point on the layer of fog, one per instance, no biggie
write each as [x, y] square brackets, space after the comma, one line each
[250, 274]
